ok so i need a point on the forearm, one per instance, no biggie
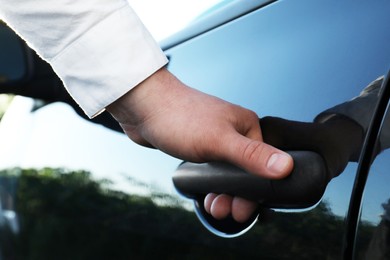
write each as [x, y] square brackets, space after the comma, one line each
[100, 49]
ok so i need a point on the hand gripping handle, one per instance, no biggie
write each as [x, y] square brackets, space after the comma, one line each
[303, 188]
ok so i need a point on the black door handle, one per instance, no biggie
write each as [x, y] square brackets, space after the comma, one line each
[303, 188]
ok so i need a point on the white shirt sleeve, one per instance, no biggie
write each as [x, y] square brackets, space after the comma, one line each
[99, 48]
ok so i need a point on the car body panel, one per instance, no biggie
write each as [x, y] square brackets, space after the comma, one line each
[290, 59]
[373, 229]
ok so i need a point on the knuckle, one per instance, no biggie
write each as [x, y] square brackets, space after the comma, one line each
[250, 116]
[254, 151]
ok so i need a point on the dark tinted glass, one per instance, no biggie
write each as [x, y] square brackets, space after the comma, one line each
[12, 59]
[74, 190]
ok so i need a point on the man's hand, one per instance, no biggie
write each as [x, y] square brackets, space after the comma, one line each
[165, 114]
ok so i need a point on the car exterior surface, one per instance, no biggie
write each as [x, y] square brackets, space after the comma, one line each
[72, 189]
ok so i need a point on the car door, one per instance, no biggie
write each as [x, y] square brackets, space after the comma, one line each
[71, 189]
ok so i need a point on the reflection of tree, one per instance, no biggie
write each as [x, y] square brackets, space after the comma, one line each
[365, 235]
[66, 215]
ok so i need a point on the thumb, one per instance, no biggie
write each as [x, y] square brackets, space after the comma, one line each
[257, 157]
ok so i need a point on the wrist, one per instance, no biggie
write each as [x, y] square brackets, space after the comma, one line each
[143, 100]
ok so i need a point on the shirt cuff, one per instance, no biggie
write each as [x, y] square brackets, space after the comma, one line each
[108, 60]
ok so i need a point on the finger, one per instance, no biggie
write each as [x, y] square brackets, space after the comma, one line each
[242, 209]
[208, 200]
[256, 157]
[221, 206]
[248, 124]
[254, 131]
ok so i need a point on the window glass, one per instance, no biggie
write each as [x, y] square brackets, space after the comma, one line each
[12, 52]
[163, 18]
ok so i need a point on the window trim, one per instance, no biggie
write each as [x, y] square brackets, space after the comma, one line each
[226, 14]
[365, 161]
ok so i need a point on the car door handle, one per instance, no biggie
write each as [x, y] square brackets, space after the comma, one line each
[303, 188]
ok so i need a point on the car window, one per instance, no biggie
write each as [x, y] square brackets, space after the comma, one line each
[14, 68]
[71, 189]
[169, 16]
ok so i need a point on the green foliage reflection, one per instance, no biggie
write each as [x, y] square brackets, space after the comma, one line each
[67, 215]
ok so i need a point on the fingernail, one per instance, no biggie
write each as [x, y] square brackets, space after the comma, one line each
[278, 163]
